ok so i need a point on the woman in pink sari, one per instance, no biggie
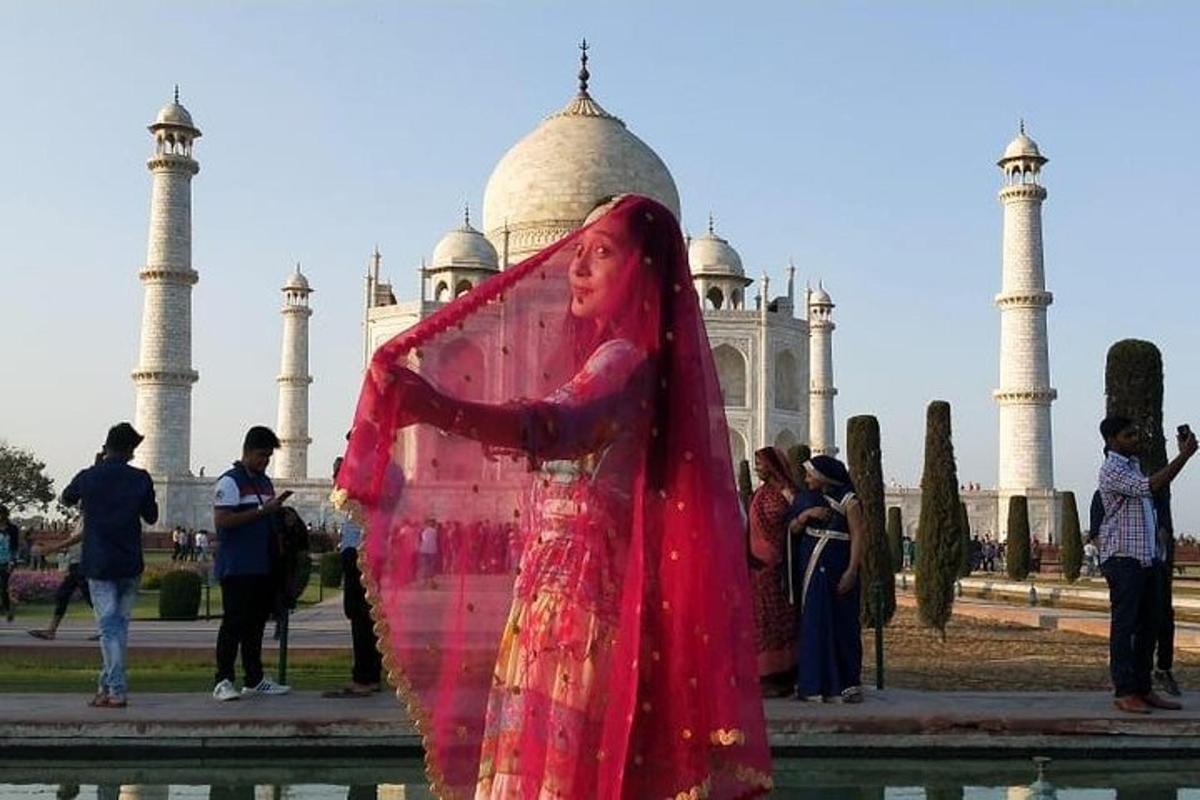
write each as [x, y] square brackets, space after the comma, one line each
[620, 662]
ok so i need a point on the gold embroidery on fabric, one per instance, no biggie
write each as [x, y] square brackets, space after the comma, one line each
[729, 737]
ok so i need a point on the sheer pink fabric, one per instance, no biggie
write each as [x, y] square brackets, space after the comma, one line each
[553, 548]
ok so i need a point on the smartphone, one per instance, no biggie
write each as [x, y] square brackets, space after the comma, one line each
[1184, 431]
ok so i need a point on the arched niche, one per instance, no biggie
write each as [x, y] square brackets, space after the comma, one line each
[731, 373]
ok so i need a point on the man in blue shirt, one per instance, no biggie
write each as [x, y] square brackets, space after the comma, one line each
[118, 498]
[366, 674]
[1130, 557]
[244, 513]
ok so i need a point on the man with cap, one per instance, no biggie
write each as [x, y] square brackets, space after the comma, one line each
[244, 514]
[1130, 552]
[117, 499]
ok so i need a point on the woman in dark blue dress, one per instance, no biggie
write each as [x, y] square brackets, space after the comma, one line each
[827, 542]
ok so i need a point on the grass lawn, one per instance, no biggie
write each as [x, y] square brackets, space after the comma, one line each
[32, 670]
[146, 606]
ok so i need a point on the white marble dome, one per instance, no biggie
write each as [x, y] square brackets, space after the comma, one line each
[174, 115]
[465, 247]
[711, 255]
[547, 182]
[297, 282]
[1021, 147]
[820, 297]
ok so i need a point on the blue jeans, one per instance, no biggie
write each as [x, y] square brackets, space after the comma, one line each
[112, 602]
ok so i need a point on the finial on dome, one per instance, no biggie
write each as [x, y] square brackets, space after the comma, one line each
[711, 225]
[583, 70]
[297, 267]
[467, 214]
[177, 94]
[1021, 125]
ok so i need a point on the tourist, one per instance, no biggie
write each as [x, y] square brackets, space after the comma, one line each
[244, 513]
[116, 498]
[825, 577]
[1130, 550]
[9, 542]
[202, 546]
[625, 666]
[73, 580]
[366, 671]
[427, 553]
[774, 615]
[1091, 557]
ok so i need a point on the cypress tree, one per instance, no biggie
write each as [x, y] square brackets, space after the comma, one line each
[938, 529]
[1016, 554]
[1071, 555]
[1133, 388]
[866, 471]
[796, 456]
[895, 535]
[744, 484]
[964, 564]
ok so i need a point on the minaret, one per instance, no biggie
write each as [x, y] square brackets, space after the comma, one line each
[820, 358]
[164, 375]
[1024, 395]
[292, 459]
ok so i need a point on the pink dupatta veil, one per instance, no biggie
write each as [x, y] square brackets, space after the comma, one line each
[465, 427]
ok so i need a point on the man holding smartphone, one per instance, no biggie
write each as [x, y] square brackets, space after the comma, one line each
[1131, 554]
[244, 514]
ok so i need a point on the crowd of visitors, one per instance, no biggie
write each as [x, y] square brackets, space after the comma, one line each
[189, 545]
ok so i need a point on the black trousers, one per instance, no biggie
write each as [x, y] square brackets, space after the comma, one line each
[72, 582]
[1134, 595]
[246, 603]
[1164, 644]
[5, 602]
[368, 665]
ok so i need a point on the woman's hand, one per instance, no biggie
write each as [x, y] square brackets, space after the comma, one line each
[818, 514]
[417, 399]
[848, 580]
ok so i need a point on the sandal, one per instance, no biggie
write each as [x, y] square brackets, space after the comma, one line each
[45, 636]
[115, 702]
[99, 701]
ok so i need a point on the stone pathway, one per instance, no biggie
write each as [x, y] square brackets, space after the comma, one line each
[903, 721]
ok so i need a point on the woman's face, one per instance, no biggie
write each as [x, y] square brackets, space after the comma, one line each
[597, 268]
[813, 482]
[761, 468]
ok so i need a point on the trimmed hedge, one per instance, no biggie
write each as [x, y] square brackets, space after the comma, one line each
[866, 471]
[895, 536]
[938, 532]
[1071, 556]
[331, 570]
[1017, 557]
[179, 595]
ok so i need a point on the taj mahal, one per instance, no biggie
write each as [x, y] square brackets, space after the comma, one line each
[774, 352]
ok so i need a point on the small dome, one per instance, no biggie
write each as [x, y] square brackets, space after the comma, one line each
[297, 282]
[819, 297]
[465, 247]
[174, 114]
[711, 255]
[1022, 147]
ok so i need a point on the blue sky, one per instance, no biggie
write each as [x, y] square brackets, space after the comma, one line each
[858, 139]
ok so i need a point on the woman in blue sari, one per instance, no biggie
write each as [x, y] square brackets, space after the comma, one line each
[827, 540]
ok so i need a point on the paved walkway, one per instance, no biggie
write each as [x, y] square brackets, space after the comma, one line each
[903, 721]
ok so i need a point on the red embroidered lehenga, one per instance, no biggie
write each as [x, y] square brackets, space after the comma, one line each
[616, 659]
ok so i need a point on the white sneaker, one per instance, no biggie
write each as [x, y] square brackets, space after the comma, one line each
[225, 691]
[266, 686]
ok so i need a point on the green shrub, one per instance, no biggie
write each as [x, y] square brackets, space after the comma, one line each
[895, 537]
[1071, 555]
[964, 564]
[797, 454]
[1016, 552]
[866, 472]
[331, 570]
[179, 595]
[938, 532]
